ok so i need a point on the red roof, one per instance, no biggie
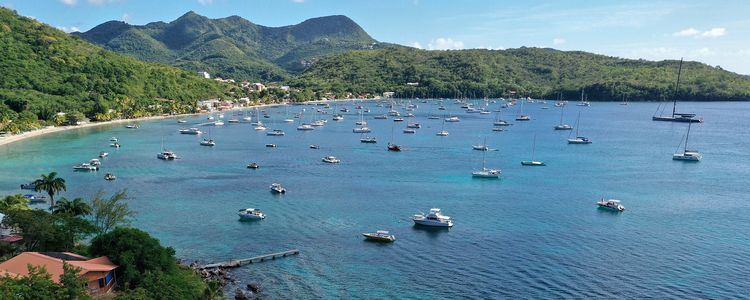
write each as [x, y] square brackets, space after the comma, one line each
[11, 238]
[19, 264]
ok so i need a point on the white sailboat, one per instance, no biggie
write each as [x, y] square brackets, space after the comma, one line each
[485, 172]
[687, 154]
[578, 139]
[562, 126]
[532, 162]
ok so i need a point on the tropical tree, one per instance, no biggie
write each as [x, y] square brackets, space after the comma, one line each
[14, 202]
[75, 207]
[51, 184]
[110, 213]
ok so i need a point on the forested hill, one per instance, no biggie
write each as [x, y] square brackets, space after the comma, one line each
[534, 72]
[46, 71]
[233, 47]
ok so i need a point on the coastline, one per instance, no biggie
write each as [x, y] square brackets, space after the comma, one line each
[9, 139]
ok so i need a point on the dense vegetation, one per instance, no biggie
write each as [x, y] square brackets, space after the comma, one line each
[147, 270]
[46, 71]
[532, 72]
[232, 47]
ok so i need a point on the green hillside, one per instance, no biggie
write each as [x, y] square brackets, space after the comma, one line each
[532, 72]
[232, 47]
[46, 71]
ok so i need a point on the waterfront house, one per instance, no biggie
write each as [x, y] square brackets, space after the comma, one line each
[99, 272]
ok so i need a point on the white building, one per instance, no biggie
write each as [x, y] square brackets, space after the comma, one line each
[204, 75]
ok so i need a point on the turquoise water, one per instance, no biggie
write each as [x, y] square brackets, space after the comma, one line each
[536, 233]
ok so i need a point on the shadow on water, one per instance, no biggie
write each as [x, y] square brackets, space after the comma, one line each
[430, 231]
[607, 211]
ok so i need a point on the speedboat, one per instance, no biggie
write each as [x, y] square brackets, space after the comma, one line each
[131, 126]
[28, 186]
[270, 145]
[409, 130]
[288, 121]
[192, 131]
[219, 123]
[253, 166]
[95, 162]
[181, 121]
[368, 140]
[85, 167]
[103, 154]
[314, 146]
[275, 132]
[523, 118]
[442, 133]
[331, 160]
[394, 147]
[166, 155]
[580, 140]
[361, 130]
[501, 123]
[251, 214]
[115, 145]
[433, 219]
[233, 120]
[486, 173]
[452, 119]
[413, 125]
[398, 120]
[113, 139]
[305, 127]
[276, 188]
[611, 204]
[532, 163]
[109, 177]
[379, 236]
[208, 142]
[563, 127]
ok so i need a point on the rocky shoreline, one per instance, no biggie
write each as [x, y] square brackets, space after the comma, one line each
[224, 278]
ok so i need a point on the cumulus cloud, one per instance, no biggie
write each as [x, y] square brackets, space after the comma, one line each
[416, 45]
[715, 32]
[558, 41]
[69, 29]
[692, 32]
[445, 44]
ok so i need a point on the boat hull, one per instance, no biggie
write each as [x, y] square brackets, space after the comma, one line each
[433, 223]
[533, 163]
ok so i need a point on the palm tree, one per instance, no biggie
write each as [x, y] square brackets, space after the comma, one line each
[77, 207]
[14, 202]
[51, 184]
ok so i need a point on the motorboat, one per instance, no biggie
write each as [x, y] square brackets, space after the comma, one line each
[288, 120]
[249, 214]
[219, 123]
[337, 117]
[394, 147]
[275, 132]
[486, 173]
[393, 113]
[166, 155]
[361, 130]
[85, 167]
[413, 125]
[305, 127]
[331, 160]
[276, 188]
[610, 204]
[115, 145]
[433, 118]
[498, 129]
[109, 177]
[523, 118]
[192, 131]
[442, 133]
[34, 199]
[95, 162]
[233, 121]
[270, 145]
[398, 119]
[103, 154]
[368, 140]
[181, 121]
[208, 142]
[381, 117]
[28, 186]
[253, 166]
[210, 117]
[379, 236]
[452, 119]
[313, 146]
[410, 131]
[409, 115]
[131, 126]
[318, 123]
[113, 139]
[433, 219]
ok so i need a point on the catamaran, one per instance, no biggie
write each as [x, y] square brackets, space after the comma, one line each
[485, 172]
[686, 154]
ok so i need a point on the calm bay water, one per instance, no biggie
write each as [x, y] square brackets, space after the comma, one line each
[536, 233]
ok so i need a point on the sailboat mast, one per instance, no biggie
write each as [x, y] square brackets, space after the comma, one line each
[687, 136]
[533, 148]
[677, 88]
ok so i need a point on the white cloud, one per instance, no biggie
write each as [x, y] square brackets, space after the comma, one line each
[125, 17]
[445, 44]
[416, 45]
[715, 32]
[558, 41]
[69, 29]
[206, 2]
[69, 2]
[687, 32]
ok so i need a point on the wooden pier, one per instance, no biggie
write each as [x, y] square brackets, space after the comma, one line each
[245, 261]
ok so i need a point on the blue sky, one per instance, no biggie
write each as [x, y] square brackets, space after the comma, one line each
[714, 32]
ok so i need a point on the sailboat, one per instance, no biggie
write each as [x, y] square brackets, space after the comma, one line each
[521, 116]
[392, 146]
[485, 172]
[624, 101]
[209, 141]
[481, 147]
[286, 114]
[686, 154]
[165, 154]
[499, 121]
[562, 126]
[532, 162]
[677, 117]
[442, 131]
[583, 100]
[579, 139]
